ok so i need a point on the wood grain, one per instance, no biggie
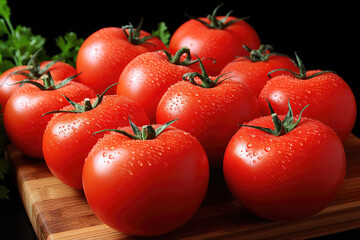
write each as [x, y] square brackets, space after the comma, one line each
[58, 212]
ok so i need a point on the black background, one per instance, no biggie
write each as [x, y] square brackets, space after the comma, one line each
[324, 36]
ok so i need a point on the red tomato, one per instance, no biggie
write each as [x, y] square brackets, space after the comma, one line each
[286, 177]
[68, 137]
[59, 71]
[218, 38]
[331, 100]
[146, 187]
[23, 112]
[104, 54]
[253, 70]
[212, 113]
[147, 77]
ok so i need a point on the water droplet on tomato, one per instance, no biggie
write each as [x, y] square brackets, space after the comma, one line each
[267, 149]
[249, 145]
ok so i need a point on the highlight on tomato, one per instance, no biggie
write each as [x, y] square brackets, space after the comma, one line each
[104, 54]
[23, 114]
[284, 167]
[147, 77]
[33, 70]
[330, 98]
[253, 69]
[209, 108]
[68, 137]
[147, 183]
[217, 40]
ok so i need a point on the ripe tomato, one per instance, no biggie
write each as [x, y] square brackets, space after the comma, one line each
[290, 176]
[23, 112]
[146, 186]
[68, 137]
[253, 70]
[146, 78]
[58, 70]
[331, 100]
[210, 111]
[218, 38]
[105, 53]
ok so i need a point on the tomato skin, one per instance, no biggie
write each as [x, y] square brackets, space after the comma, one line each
[105, 53]
[223, 45]
[59, 71]
[23, 112]
[287, 177]
[146, 187]
[68, 137]
[329, 97]
[211, 115]
[147, 77]
[255, 74]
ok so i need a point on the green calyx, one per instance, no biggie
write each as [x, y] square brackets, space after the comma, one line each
[33, 70]
[133, 35]
[87, 104]
[262, 54]
[48, 82]
[176, 59]
[281, 127]
[147, 132]
[218, 23]
[302, 70]
[206, 81]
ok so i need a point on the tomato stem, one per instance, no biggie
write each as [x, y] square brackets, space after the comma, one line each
[206, 81]
[133, 35]
[147, 132]
[176, 59]
[82, 108]
[280, 127]
[216, 23]
[33, 70]
[262, 54]
[48, 82]
[302, 70]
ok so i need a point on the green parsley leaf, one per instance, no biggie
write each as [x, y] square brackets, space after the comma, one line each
[69, 45]
[162, 32]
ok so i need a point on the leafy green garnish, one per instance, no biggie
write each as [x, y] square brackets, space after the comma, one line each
[69, 46]
[162, 32]
[16, 44]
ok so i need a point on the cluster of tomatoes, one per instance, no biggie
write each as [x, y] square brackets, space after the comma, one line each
[139, 126]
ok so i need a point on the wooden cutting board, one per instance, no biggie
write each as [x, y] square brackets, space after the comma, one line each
[59, 212]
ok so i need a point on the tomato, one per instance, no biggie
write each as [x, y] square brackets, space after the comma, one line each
[68, 137]
[330, 98]
[290, 175]
[219, 38]
[104, 54]
[146, 78]
[209, 108]
[23, 120]
[58, 70]
[253, 70]
[148, 185]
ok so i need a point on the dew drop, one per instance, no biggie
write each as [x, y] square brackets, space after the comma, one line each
[249, 145]
[267, 149]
